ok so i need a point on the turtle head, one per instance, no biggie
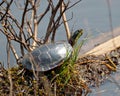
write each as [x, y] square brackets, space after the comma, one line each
[74, 38]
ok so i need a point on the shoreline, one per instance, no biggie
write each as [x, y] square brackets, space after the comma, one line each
[105, 47]
[101, 44]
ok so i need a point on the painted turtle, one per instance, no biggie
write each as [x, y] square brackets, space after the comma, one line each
[49, 56]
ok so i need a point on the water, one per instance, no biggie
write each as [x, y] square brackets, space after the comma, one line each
[93, 17]
[90, 15]
[109, 88]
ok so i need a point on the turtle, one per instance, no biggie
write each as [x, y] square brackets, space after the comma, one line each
[49, 56]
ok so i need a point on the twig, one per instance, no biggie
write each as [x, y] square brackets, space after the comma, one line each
[43, 14]
[8, 62]
[65, 23]
[74, 4]
[34, 17]
[22, 25]
[50, 25]
[2, 3]
[14, 52]
[7, 9]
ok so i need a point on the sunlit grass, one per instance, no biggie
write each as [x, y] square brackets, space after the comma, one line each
[67, 67]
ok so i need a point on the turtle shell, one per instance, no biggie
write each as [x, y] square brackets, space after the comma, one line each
[47, 57]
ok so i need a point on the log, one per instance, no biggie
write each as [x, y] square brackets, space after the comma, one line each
[105, 47]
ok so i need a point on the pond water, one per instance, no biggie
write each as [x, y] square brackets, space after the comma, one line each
[93, 17]
[111, 87]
